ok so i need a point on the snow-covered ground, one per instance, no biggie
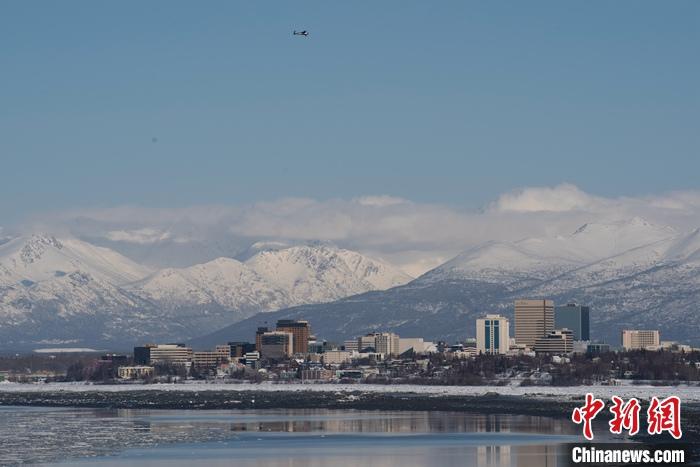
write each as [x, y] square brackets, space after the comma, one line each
[686, 393]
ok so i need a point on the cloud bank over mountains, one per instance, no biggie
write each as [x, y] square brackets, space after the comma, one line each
[414, 236]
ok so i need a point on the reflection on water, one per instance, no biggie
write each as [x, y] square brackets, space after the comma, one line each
[279, 437]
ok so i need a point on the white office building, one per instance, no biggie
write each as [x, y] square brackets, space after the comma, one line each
[492, 334]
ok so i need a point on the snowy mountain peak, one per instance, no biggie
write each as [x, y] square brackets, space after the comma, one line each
[637, 225]
[686, 248]
[324, 272]
[226, 289]
[539, 258]
[35, 247]
[38, 258]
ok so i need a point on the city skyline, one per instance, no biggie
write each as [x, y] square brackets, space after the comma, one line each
[338, 233]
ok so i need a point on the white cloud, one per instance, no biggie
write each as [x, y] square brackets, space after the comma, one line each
[679, 201]
[142, 236]
[380, 201]
[416, 236]
[564, 197]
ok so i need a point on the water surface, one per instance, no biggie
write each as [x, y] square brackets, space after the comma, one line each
[123, 438]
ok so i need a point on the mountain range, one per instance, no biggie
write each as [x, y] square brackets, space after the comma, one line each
[57, 291]
[632, 273]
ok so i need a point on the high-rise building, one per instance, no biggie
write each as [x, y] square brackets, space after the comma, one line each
[142, 355]
[574, 317]
[258, 336]
[277, 344]
[635, 339]
[492, 334]
[558, 341]
[300, 330]
[239, 349]
[366, 343]
[387, 343]
[533, 319]
[351, 345]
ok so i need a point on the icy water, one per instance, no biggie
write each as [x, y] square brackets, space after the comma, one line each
[123, 438]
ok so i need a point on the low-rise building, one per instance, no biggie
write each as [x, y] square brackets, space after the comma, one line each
[557, 342]
[317, 374]
[224, 352]
[207, 359]
[596, 348]
[135, 372]
[417, 344]
[336, 357]
[252, 359]
[351, 345]
[638, 339]
[173, 354]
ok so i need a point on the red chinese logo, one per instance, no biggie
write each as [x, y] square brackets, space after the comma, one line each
[662, 416]
[587, 413]
[665, 415]
[625, 416]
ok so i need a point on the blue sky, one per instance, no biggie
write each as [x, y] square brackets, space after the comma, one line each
[448, 102]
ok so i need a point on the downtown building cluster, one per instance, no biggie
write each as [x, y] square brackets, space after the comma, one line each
[543, 328]
[291, 350]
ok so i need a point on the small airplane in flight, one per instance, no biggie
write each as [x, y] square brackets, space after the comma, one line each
[301, 33]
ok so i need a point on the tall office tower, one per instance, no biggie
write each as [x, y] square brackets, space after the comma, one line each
[574, 317]
[635, 339]
[367, 343]
[258, 336]
[533, 319]
[276, 344]
[239, 349]
[387, 343]
[300, 330]
[142, 354]
[492, 334]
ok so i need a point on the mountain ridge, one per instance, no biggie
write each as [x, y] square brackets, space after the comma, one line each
[51, 288]
[651, 282]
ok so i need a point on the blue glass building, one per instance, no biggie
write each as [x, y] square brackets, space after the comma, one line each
[574, 317]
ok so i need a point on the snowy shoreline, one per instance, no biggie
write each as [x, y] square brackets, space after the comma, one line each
[686, 393]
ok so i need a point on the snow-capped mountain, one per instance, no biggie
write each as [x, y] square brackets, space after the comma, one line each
[224, 282]
[57, 289]
[633, 274]
[270, 280]
[65, 289]
[41, 257]
[322, 273]
[527, 261]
